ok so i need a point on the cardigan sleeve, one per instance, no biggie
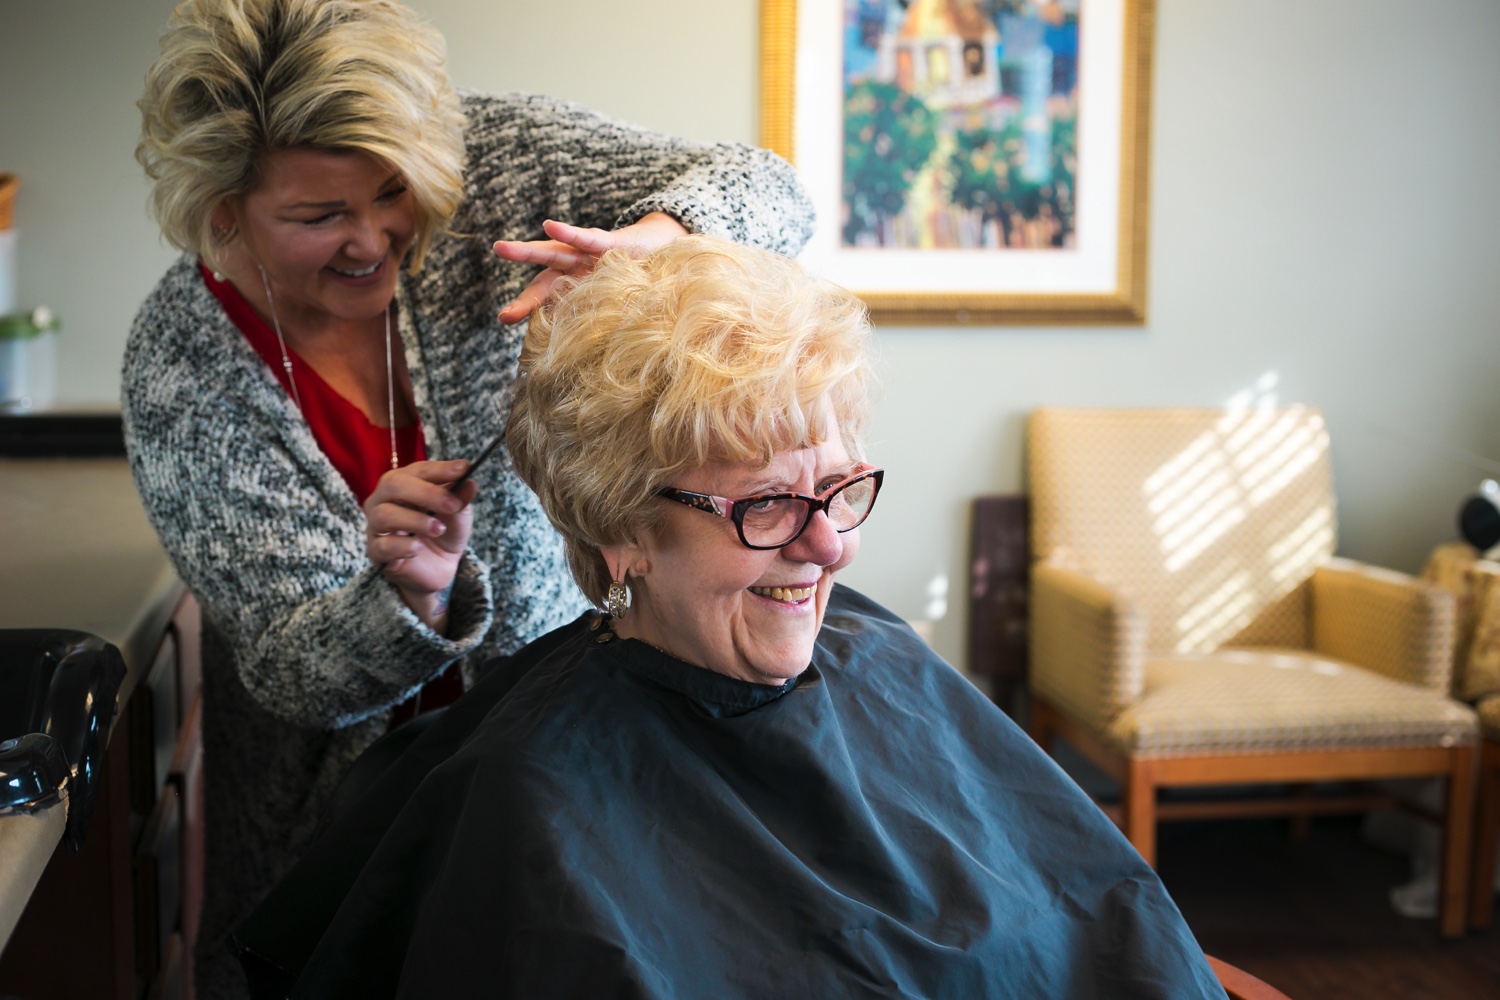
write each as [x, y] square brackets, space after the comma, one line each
[555, 159]
[274, 551]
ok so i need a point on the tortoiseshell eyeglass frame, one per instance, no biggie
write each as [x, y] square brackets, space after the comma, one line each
[734, 508]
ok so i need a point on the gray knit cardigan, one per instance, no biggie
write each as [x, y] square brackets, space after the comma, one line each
[306, 645]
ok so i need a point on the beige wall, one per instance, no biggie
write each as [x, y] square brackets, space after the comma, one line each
[1325, 222]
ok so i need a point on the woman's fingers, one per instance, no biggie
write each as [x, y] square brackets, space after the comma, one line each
[466, 492]
[650, 231]
[414, 505]
[388, 549]
[397, 519]
[591, 242]
[422, 485]
[560, 256]
[572, 250]
[531, 297]
[417, 524]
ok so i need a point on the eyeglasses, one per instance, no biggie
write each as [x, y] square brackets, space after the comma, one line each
[772, 520]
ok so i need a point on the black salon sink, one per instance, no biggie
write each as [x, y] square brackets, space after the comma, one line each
[58, 695]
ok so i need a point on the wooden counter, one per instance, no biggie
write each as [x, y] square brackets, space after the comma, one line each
[26, 845]
[80, 554]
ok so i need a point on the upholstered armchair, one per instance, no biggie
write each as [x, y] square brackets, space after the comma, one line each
[1190, 627]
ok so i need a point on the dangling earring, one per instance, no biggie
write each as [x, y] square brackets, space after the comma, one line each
[616, 600]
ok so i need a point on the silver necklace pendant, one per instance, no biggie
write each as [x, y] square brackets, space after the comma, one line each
[390, 390]
[390, 370]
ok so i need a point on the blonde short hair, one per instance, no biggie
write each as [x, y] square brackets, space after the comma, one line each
[701, 351]
[239, 78]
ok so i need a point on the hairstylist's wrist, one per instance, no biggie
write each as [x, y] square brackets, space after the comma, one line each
[430, 606]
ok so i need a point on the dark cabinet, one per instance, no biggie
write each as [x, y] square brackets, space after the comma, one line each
[117, 918]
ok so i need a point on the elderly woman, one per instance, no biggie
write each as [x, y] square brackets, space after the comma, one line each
[740, 780]
[302, 388]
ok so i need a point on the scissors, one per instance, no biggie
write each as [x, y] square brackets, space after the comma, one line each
[478, 461]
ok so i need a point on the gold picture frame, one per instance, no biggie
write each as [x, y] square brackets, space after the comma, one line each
[1093, 270]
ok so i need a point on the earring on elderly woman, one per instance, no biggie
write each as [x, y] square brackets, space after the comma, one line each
[616, 600]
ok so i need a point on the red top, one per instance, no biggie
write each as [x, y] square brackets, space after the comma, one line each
[359, 449]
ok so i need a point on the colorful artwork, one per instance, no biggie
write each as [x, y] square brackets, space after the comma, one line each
[960, 123]
[969, 160]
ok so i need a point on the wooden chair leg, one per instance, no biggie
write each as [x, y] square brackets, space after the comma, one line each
[1139, 807]
[1458, 831]
[1041, 727]
[1301, 824]
[1486, 839]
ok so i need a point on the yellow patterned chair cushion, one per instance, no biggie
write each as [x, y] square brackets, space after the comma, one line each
[1457, 567]
[1489, 716]
[1265, 700]
[1166, 536]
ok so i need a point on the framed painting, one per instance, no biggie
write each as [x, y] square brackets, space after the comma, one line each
[971, 161]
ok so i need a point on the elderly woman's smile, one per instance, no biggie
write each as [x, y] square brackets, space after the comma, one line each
[701, 594]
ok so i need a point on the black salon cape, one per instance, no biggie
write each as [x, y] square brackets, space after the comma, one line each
[601, 820]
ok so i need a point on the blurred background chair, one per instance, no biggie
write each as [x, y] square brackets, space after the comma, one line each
[1475, 582]
[1482, 886]
[1191, 628]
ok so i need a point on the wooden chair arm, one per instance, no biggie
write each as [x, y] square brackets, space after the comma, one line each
[1240, 985]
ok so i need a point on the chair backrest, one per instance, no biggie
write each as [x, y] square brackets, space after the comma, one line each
[1210, 521]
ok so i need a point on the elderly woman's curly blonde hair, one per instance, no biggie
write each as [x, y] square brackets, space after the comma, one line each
[237, 79]
[701, 351]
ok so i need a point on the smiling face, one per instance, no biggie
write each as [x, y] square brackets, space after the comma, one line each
[702, 596]
[330, 228]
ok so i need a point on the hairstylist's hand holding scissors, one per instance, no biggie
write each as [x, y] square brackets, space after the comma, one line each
[416, 530]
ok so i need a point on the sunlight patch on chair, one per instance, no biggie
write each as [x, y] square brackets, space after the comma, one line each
[1256, 455]
[1295, 456]
[1207, 525]
[1293, 556]
[1213, 482]
[1252, 455]
[1226, 610]
[1164, 486]
[1239, 429]
[1232, 616]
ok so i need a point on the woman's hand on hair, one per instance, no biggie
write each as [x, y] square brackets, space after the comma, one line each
[574, 251]
[416, 531]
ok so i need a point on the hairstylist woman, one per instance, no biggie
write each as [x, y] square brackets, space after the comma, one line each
[303, 385]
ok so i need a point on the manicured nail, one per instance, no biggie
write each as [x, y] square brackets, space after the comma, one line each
[436, 527]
